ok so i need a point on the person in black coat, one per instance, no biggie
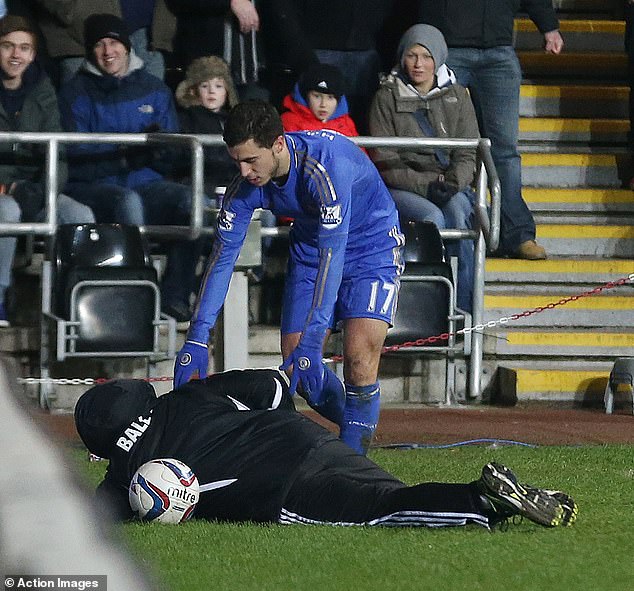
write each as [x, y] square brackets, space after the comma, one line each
[258, 459]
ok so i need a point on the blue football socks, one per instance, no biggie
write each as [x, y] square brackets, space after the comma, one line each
[360, 416]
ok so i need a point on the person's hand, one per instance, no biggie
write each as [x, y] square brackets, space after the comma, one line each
[308, 371]
[247, 15]
[553, 42]
[192, 358]
[440, 192]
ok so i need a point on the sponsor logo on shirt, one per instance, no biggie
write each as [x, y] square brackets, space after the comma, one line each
[225, 220]
[331, 215]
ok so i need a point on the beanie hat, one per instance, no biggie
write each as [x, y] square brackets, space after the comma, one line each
[322, 78]
[99, 26]
[103, 412]
[427, 36]
[200, 70]
[12, 23]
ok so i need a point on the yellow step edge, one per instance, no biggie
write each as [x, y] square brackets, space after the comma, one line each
[528, 302]
[569, 160]
[575, 92]
[526, 25]
[585, 231]
[618, 268]
[529, 380]
[570, 339]
[559, 195]
[559, 124]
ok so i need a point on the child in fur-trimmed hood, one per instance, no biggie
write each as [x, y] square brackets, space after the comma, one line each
[205, 98]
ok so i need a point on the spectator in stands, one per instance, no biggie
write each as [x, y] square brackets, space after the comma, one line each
[205, 97]
[225, 28]
[318, 102]
[112, 92]
[421, 99]
[336, 32]
[479, 34]
[151, 24]
[27, 103]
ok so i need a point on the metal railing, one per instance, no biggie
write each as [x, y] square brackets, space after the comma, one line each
[485, 234]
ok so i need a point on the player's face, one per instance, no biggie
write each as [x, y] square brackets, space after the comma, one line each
[419, 66]
[212, 94]
[259, 165]
[321, 104]
[17, 51]
[111, 57]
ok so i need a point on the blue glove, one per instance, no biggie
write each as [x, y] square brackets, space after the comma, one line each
[308, 370]
[192, 358]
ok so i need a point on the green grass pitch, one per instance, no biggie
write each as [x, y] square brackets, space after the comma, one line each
[596, 554]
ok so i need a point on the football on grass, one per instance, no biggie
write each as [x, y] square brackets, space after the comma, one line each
[163, 490]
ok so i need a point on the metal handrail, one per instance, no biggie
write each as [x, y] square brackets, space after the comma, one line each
[486, 234]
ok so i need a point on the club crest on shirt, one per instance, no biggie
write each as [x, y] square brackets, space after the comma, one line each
[331, 215]
[225, 220]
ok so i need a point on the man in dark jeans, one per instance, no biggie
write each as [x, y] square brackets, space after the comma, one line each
[479, 34]
[257, 459]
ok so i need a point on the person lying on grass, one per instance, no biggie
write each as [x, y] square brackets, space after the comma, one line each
[257, 459]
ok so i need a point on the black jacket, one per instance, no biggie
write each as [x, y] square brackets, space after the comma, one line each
[484, 23]
[237, 424]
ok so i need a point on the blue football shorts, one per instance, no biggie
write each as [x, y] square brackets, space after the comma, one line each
[369, 289]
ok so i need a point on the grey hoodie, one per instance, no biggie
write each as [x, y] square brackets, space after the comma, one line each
[427, 36]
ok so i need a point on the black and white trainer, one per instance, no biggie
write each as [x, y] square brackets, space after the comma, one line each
[509, 498]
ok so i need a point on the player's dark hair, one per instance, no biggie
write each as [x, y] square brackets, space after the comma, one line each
[253, 120]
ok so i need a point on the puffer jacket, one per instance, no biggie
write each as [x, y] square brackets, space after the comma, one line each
[451, 115]
[94, 102]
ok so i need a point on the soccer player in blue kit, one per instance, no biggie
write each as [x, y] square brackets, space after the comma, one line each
[344, 265]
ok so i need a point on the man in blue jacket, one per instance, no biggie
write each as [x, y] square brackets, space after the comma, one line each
[113, 93]
[479, 34]
[344, 268]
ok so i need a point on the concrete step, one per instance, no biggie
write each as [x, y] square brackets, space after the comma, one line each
[562, 343]
[555, 306]
[587, 240]
[557, 129]
[579, 382]
[590, 201]
[557, 271]
[596, 66]
[576, 170]
[579, 35]
[574, 100]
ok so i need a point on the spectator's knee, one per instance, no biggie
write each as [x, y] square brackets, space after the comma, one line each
[9, 209]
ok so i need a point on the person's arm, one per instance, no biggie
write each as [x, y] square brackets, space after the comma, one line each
[115, 496]
[231, 229]
[88, 162]
[462, 168]
[331, 187]
[393, 167]
[542, 13]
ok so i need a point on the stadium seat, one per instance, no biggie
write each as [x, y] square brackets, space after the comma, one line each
[427, 302]
[620, 383]
[100, 297]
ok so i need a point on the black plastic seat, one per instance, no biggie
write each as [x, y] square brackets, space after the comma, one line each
[105, 296]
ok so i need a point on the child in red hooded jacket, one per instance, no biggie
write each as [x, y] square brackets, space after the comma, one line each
[318, 102]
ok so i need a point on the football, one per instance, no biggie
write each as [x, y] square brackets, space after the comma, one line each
[163, 490]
